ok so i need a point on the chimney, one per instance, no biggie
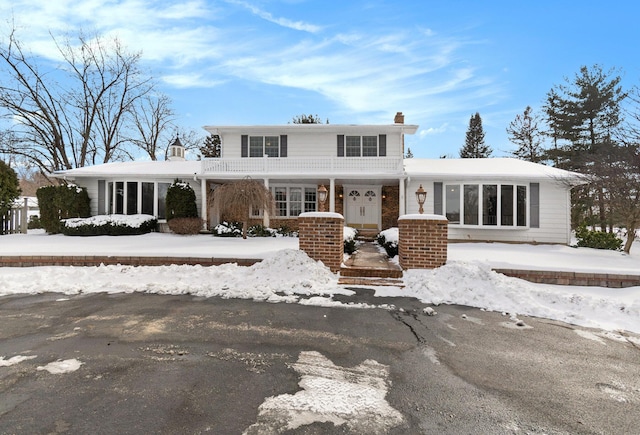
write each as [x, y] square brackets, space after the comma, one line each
[399, 119]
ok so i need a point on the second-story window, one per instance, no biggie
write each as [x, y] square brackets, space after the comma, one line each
[362, 146]
[260, 146]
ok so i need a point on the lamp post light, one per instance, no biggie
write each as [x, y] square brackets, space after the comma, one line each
[421, 196]
[322, 196]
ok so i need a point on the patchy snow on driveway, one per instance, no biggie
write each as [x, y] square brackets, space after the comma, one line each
[61, 367]
[351, 396]
[14, 360]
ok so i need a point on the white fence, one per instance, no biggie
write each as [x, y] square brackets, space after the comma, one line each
[15, 220]
[292, 165]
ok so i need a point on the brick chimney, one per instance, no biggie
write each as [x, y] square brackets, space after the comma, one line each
[399, 119]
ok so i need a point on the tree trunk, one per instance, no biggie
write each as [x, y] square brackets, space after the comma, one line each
[245, 226]
[631, 235]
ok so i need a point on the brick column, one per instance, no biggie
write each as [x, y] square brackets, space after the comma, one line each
[422, 242]
[321, 237]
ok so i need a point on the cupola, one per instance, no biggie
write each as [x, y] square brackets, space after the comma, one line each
[176, 150]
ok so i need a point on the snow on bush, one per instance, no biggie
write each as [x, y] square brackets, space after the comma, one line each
[133, 220]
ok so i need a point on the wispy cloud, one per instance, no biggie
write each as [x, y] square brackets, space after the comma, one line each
[281, 21]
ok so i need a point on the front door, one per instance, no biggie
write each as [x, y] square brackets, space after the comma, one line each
[362, 206]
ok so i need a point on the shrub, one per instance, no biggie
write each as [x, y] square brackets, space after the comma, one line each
[391, 245]
[228, 229]
[187, 226]
[261, 231]
[34, 223]
[597, 239]
[181, 201]
[61, 202]
[112, 225]
[349, 236]
[9, 187]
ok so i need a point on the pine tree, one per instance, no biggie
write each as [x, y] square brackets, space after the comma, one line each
[524, 132]
[211, 146]
[409, 154]
[474, 146]
[9, 187]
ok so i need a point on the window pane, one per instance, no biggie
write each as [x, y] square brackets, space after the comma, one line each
[522, 206]
[369, 146]
[162, 196]
[132, 197]
[490, 204]
[110, 193]
[280, 196]
[295, 201]
[147, 198]
[471, 204]
[506, 199]
[119, 209]
[272, 146]
[255, 146]
[453, 203]
[309, 200]
[353, 146]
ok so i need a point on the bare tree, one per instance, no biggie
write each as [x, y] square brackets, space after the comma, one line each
[75, 113]
[153, 119]
[236, 200]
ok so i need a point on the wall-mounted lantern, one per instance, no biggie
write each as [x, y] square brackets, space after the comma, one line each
[421, 197]
[322, 196]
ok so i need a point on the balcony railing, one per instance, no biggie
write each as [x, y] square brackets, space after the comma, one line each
[293, 165]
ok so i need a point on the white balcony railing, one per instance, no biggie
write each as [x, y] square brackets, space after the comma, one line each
[310, 165]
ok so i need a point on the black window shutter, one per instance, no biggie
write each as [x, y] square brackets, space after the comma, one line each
[283, 145]
[534, 205]
[437, 197]
[382, 145]
[341, 145]
[244, 145]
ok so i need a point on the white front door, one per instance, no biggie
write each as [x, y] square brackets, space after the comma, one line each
[362, 205]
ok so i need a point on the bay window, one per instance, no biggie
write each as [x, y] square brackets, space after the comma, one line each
[490, 205]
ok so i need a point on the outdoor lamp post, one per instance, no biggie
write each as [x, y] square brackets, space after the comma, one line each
[322, 196]
[421, 196]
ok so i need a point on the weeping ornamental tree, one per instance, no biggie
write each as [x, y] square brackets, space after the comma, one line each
[236, 201]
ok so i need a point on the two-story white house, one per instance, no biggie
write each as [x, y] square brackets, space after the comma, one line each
[363, 169]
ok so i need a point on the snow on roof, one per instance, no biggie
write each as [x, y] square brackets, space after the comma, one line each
[327, 128]
[486, 168]
[138, 169]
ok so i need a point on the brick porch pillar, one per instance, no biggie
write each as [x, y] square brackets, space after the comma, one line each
[422, 241]
[321, 237]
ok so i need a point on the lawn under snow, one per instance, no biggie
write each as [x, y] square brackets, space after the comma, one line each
[288, 275]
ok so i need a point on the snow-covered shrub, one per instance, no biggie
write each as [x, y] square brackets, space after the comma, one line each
[110, 225]
[349, 236]
[388, 239]
[597, 239]
[181, 201]
[185, 225]
[228, 229]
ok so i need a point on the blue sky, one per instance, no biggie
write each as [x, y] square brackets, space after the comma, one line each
[239, 62]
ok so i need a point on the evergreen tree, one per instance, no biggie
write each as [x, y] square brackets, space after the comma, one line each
[307, 119]
[584, 116]
[9, 187]
[524, 132]
[409, 154]
[474, 146]
[211, 146]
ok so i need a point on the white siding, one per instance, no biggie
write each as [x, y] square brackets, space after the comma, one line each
[554, 216]
[309, 144]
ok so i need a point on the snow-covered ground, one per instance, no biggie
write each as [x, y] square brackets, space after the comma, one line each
[288, 275]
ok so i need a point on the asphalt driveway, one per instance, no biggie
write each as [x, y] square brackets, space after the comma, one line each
[138, 363]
